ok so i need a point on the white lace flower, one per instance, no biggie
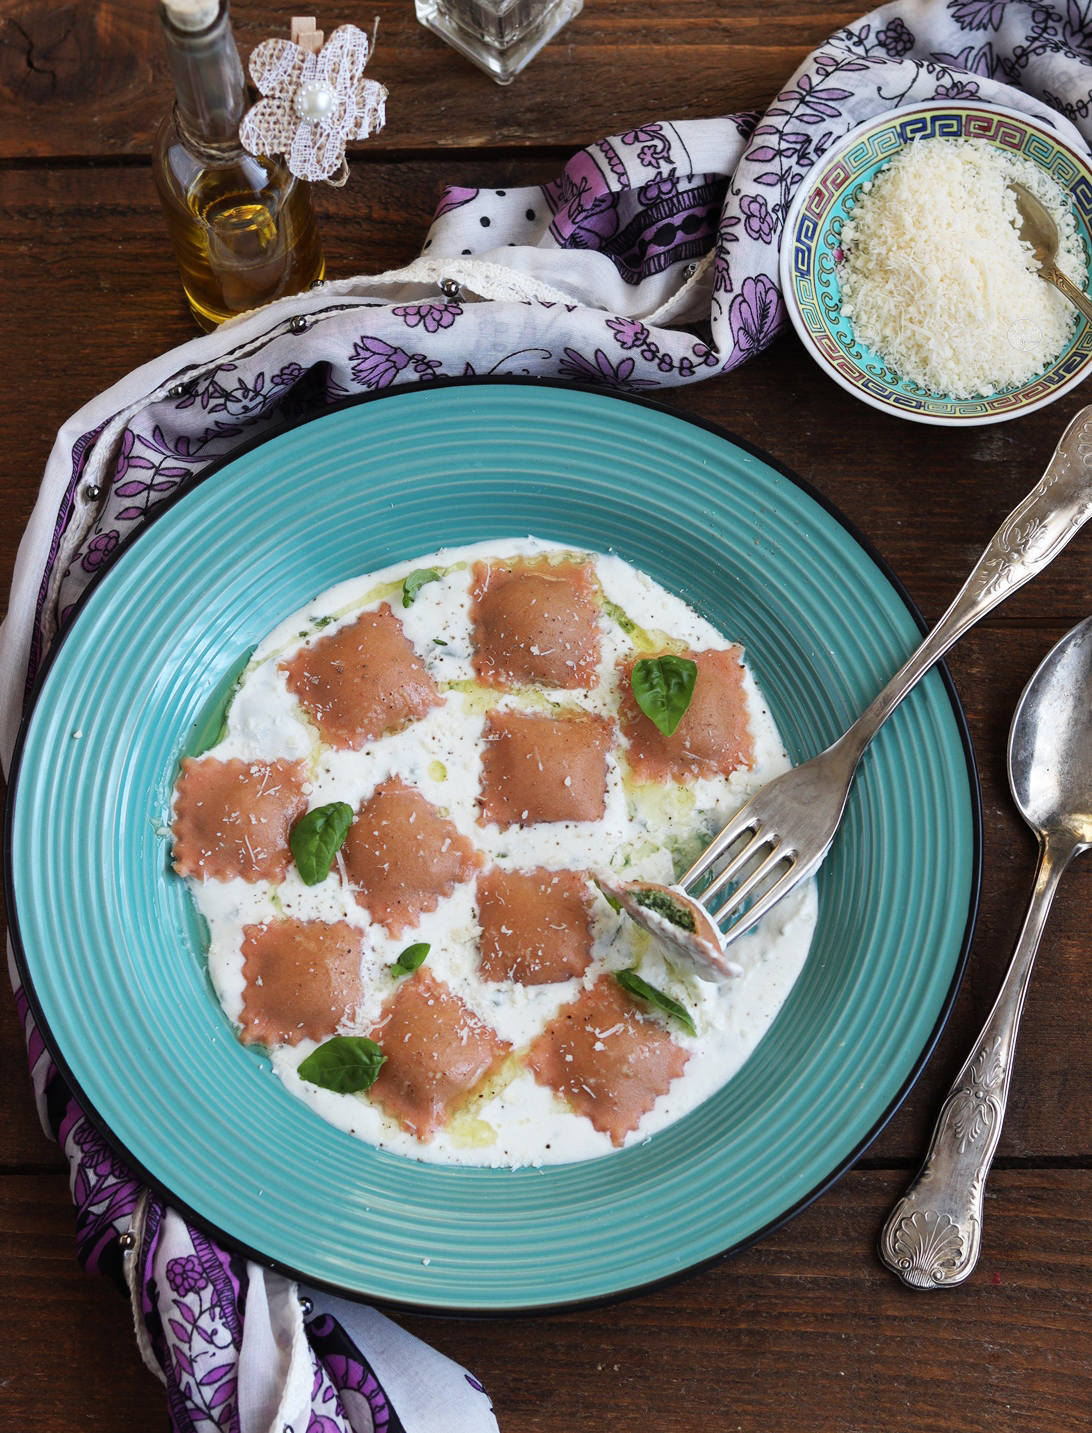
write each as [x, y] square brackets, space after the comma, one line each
[314, 103]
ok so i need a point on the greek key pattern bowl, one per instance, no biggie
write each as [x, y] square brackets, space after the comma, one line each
[812, 244]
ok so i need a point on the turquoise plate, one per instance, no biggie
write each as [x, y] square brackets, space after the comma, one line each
[112, 951]
[813, 228]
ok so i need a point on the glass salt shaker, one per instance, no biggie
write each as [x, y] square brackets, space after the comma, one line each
[501, 37]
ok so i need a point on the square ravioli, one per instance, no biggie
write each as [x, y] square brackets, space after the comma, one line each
[535, 621]
[363, 681]
[536, 925]
[302, 980]
[403, 857]
[501, 778]
[232, 818]
[605, 1057]
[438, 1053]
[712, 739]
[539, 768]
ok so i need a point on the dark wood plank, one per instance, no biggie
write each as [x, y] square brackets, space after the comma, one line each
[79, 78]
[808, 1332]
[68, 1358]
[805, 1332]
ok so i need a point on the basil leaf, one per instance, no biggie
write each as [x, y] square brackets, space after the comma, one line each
[345, 1064]
[317, 838]
[631, 981]
[663, 687]
[415, 581]
[664, 904]
[410, 959]
[612, 901]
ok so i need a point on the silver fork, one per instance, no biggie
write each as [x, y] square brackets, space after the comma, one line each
[792, 821]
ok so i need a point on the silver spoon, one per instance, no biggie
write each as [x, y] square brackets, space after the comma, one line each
[931, 1238]
[1037, 228]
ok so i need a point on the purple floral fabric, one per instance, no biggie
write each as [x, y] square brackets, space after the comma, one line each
[651, 261]
[346, 1376]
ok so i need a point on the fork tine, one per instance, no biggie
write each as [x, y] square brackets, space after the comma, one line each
[740, 823]
[744, 889]
[792, 877]
[736, 864]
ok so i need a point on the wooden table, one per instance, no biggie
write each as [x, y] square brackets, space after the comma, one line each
[806, 1331]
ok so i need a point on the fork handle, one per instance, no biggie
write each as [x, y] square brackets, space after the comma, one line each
[1076, 296]
[933, 1234]
[1030, 537]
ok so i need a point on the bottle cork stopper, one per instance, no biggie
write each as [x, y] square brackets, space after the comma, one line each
[191, 14]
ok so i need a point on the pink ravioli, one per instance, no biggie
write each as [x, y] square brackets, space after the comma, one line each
[364, 681]
[714, 736]
[536, 926]
[438, 1052]
[302, 980]
[535, 621]
[607, 1059]
[232, 818]
[539, 768]
[403, 857]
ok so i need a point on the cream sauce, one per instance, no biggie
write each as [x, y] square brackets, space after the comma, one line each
[650, 831]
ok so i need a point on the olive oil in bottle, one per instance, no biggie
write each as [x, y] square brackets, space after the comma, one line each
[243, 228]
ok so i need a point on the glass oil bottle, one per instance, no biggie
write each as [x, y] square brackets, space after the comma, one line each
[243, 228]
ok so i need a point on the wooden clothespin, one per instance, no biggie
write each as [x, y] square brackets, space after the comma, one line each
[305, 34]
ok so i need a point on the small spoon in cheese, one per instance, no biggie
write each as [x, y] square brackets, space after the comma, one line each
[1037, 228]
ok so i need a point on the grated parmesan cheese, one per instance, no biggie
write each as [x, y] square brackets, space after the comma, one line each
[936, 279]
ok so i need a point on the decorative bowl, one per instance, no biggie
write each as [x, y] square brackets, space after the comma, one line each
[813, 228]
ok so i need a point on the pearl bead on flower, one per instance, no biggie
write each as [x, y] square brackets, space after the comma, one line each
[314, 101]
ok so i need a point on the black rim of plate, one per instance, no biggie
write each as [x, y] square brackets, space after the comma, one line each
[208, 1226]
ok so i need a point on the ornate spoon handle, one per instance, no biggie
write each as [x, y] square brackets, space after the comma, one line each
[932, 1235]
[1054, 276]
[1031, 536]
